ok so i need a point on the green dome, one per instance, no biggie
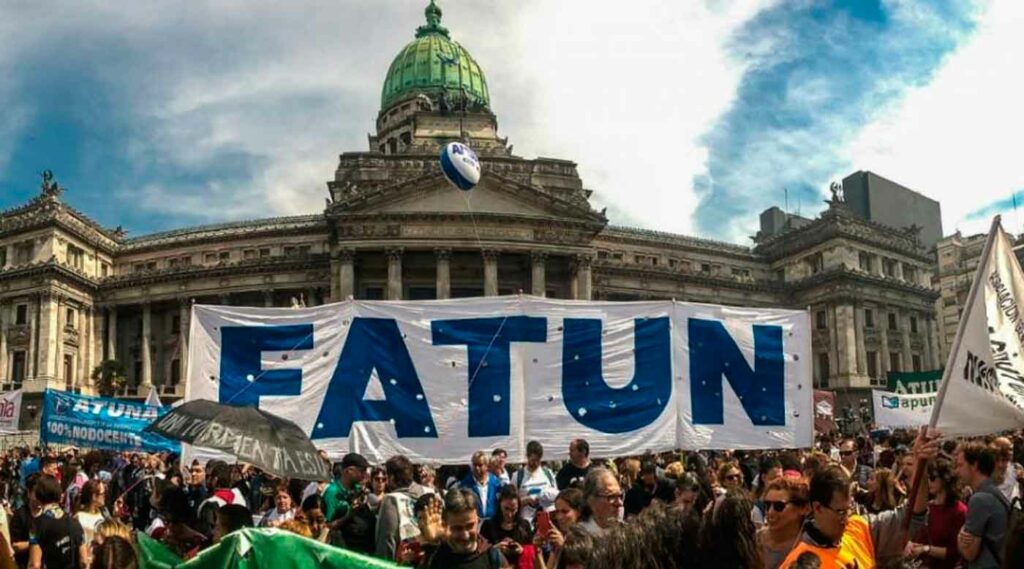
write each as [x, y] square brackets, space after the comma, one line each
[431, 63]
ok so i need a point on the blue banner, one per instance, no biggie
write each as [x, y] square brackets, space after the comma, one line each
[101, 423]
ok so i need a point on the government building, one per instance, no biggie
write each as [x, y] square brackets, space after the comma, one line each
[74, 293]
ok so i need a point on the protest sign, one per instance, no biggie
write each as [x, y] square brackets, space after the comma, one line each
[100, 423]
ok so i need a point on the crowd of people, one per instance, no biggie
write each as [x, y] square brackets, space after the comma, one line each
[851, 503]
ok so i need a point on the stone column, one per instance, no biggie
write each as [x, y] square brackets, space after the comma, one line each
[335, 278]
[905, 331]
[394, 256]
[583, 277]
[444, 273]
[33, 343]
[99, 331]
[883, 340]
[111, 333]
[538, 276]
[490, 272]
[268, 298]
[146, 348]
[574, 278]
[924, 328]
[47, 336]
[83, 345]
[847, 340]
[933, 338]
[347, 274]
[185, 316]
[58, 352]
[862, 354]
[5, 319]
[899, 270]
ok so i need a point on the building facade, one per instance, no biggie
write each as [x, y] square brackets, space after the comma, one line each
[73, 293]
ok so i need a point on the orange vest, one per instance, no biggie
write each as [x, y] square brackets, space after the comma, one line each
[855, 551]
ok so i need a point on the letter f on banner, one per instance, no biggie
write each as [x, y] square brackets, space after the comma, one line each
[714, 354]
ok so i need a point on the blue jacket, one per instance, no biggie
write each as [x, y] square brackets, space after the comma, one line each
[487, 505]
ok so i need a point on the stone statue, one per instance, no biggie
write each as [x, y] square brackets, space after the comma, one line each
[49, 187]
[837, 192]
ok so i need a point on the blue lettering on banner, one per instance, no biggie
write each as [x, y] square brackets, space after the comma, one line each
[616, 410]
[241, 358]
[488, 341]
[713, 353]
[375, 343]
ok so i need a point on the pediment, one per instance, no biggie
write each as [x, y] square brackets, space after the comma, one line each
[494, 195]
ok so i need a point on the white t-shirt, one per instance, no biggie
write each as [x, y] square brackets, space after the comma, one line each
[274, 517]
[89, 522]
[1009, 486]
[537, 484]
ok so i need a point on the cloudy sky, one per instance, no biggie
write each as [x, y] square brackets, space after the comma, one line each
[689, 116]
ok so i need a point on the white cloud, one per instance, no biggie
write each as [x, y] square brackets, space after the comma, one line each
[958, 139]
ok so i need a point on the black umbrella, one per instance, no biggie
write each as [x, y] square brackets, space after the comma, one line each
[261, 439]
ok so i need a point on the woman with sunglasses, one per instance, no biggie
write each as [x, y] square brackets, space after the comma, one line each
[786, 507]
[730, 477]
[936, 546]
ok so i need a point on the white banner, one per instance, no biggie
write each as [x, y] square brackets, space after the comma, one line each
[983, 381]
[895, 410]
[10, 411]
[438, 380]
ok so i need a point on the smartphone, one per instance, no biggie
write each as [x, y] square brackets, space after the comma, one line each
[543, 522]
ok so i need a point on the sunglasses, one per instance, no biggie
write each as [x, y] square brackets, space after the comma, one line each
[777, 505]
[733, 476]
[846, 452]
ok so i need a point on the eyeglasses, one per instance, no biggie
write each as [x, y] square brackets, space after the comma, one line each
[612, 497]
[846, 452]
[842, 513]
[776, 505]
[733, 476]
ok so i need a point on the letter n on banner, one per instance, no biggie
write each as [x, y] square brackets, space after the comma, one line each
[714, 354]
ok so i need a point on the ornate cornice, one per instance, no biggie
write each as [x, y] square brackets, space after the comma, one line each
[847, 275]
[188, 272]
[274, 226]
[603, 268]
[651, 238]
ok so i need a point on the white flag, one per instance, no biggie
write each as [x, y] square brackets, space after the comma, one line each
[983, 388]
[10, 411]
[153, 399]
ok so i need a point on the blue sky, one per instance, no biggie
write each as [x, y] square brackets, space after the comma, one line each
[683, 116]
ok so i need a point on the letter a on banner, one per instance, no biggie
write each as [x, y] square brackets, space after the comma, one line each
[982, 389]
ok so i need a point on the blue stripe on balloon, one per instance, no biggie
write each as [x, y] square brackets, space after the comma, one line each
[453, 174]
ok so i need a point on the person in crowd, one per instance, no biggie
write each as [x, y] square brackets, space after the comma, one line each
[177, 532]
[312, 514]
[660, 538]
[349, 476]
[196, 485]
[841, 538]
[463, 546]
[905, 473]
[91, 508]
[111, 528]
[231, 518]
[57, 541]
[936, 546]
[849, 458]
[378, 488]
[575, 471]
[727, 533]
[569, 505]
[395, 521]
[481, 482]
[730, 477]
[769, 470]
[424, 478]
[499, 460]
[647, 489]
[603, 498]
[629, 471]
[786, 508]
[283, 510]
[114, 553]
[356, 529]
[688, 492]
[578, 550]
[506, 530]
[536, 483]
[1005, 473]
[882, 492]
[221, 494]
[981, 538]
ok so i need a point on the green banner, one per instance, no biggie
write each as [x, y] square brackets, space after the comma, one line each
[914, 382]
[260, 549]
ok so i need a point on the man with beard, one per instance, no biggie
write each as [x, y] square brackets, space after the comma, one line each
[464, 547]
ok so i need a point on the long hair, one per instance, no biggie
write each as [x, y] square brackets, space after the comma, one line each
[115, 553]
[885, 495]
[84, 499]
[727, 536]
[942, 468]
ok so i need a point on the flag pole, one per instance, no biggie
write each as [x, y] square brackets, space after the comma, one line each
[977, 284]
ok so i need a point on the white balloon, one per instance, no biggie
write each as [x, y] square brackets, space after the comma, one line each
[460, 165]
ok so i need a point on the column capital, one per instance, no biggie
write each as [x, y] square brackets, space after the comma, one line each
[490, 254]
[347, 255]
[538, 256]
[394, 253]
[443, 253]
[186, 301]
